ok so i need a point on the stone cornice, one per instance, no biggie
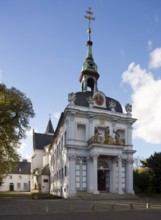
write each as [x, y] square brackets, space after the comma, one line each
[95, 112]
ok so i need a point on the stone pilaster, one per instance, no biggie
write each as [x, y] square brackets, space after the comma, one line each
[120, 175]
[90, 134]
[129, 134]
[129, 176]
[89, 174]
[72, 188]
[113, 176]
[95, 174]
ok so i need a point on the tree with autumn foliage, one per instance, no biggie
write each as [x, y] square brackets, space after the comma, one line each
[15, 111]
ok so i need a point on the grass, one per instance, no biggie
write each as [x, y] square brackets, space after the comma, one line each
[156, 196]
[15, 194]
[44, 196]
[37, 195]
[34, 195]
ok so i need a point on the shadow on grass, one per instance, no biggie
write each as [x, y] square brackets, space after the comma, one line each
[28, 195]
[44, 196]
[15, 194]
[155, 196]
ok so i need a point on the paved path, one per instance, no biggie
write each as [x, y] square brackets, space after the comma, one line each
[27, 209]
[117, 215]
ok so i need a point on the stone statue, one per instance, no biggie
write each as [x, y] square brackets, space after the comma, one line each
[71, 98]
[96, 135]
[128, 108]
[90, 101]
[108, 138]
[107, 132]
[117, 137]
[112, 105]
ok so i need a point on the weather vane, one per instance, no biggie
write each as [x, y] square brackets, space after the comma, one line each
[90, 18]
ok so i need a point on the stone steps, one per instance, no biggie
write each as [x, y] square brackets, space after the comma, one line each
[102, 196]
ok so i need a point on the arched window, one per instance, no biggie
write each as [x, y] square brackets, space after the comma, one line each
[90, 84]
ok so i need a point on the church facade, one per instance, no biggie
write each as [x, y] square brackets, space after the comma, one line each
[91, 149]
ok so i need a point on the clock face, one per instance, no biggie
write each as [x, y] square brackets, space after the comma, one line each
[99, 99]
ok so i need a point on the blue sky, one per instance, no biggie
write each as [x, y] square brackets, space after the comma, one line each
[43, 47]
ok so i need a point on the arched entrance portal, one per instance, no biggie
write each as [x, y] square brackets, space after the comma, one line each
[103, 175]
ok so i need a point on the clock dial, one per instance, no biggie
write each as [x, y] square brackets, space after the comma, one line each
[99, 99]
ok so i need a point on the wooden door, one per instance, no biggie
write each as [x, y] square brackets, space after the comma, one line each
[101, 180]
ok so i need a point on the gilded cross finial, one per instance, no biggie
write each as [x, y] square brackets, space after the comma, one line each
[89, 17]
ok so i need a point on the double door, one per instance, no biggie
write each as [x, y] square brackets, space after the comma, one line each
[103, 180]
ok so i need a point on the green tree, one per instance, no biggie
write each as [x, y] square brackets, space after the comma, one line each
[153, 164]
[141, 180]
[15, 111]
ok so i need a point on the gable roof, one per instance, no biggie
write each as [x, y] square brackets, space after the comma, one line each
[49, 129]
[41, 140]
[23, 167]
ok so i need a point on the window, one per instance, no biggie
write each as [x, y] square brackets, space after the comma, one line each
[59, 174]
[65, 137]
[25, 186]
[81, 174]
[59, 148]
[20, 177]
[62, 173]
[62, 143]
[81, 132]
[10, 177]
[18, 185]
[46, 181]
[65, 172]
[57, 151]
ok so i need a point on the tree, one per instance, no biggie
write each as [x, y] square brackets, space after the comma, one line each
[15, 111]
[141, 180]
[153, 164]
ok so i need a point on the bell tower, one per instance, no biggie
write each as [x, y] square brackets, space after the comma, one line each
[89, 74]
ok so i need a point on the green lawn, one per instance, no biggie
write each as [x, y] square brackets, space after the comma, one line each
[149, 195]
[28, 194]
[14, 194]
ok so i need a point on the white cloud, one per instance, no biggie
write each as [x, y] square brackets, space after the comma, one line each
[23, 151]
[136, 77]
[155, 58]
[56, 115]
[146, 101]
[149, 44]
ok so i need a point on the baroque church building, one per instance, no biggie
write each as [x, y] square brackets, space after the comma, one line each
[91, 149]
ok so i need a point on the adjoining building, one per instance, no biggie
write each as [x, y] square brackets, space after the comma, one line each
[40, 173]
[18, 179]
[91, 149]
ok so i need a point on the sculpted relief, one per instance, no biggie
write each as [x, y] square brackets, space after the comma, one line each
[107, 138]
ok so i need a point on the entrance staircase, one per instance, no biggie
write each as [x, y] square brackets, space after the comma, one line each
[102, 196]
